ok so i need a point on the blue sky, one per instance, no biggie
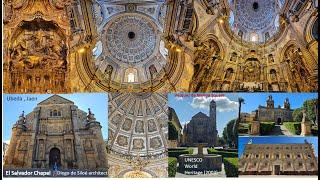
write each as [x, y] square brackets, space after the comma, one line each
[253, 100]
[187, 105]
[276, 140]
[97, 102]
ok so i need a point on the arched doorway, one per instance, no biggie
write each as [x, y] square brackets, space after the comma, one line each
[54, 157]
[279, 121]
[276, 169]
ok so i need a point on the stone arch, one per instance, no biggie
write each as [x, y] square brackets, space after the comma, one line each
[131, 75]
[315, 30]
[229, 74]
[212, 38]
[308, 30]
[54, 158]
[294, 57]
[97, 50]
[285, 47]
[152, 70]
[60, 148]
[273, 75]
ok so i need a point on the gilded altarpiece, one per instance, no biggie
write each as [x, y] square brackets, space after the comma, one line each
[36, 35]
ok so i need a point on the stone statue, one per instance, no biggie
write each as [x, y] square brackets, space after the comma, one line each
[22, 114]
[270, 58]
[233, 57]
[90, 116]
[22, 119]
[273, 75]
[305, 125]
[304, 116]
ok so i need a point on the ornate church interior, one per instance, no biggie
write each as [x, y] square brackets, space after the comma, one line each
[160, 46]
[137, 135]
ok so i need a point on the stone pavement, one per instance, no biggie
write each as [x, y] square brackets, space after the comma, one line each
[280, 130]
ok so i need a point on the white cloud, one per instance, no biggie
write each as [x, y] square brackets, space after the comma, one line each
[224, 104]
[179, 98]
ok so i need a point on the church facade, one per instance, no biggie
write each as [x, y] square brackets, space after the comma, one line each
[278, 159]
[270, 113]
[56, 134]
[201, 128]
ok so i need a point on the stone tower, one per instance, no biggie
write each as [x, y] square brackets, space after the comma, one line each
[270, 102]
[212, 122]
[286, 104]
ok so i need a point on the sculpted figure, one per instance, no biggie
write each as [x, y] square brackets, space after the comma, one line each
[304, 116]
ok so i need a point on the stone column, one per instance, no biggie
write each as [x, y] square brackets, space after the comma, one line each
[305, 128]
[255, 128]
[200, 149]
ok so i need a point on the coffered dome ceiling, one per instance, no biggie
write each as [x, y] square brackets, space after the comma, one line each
[137, 124]
[130, 53]
[131, 46]
[255, 14]
[131, 38]
[255, 20]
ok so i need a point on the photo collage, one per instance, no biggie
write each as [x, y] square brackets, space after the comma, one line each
[160, 89]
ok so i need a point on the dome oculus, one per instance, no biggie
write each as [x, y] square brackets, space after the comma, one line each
[131, 38]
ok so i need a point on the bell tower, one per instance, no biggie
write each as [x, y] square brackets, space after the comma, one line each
[212, 123]
[270, 102]
[286, 104]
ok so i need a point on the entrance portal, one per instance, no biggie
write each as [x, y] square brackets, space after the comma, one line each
[279, 121]
[276, 170]
[54, 158]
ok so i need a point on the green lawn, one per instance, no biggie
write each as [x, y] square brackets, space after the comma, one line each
[293, 127]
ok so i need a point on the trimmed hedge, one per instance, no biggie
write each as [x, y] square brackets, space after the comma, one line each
[244, 128]
[224, 154]
[314, 131]
[293, 127]
[172, 169]
[228, 150]
[177, 152]
[231, 167]
[266, 127]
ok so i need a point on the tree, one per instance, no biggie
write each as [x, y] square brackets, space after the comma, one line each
[229, 136]
[221, 141]
[173, 133]
[297, 115]
[309, 106]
